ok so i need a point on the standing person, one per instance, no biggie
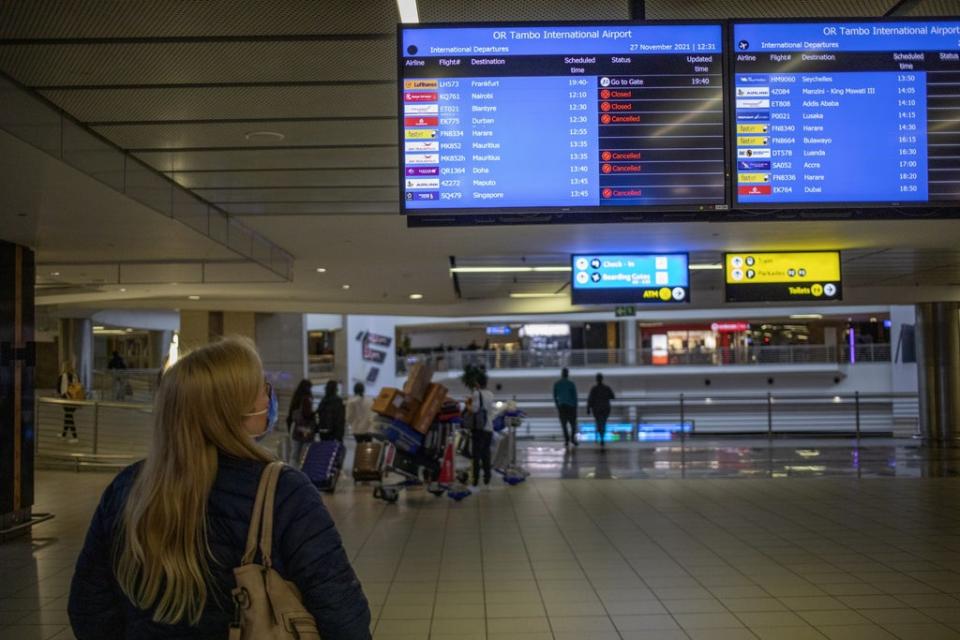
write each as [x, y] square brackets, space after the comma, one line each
[598, 403]
[159, 556]
[482, 434]
[360, 414]
[117, 365]
[565, 399]
[300, 423]
[70, 388]
[331, 414]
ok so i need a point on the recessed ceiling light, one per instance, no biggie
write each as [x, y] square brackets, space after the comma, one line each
[408, 11]
[345, 287]
[273, 136]
[506, 269]
[193, 297]
[98, 328]
[538, 295]
[704, 267]
[416, 296]
[173, 284]
[55, 273]
[321, 270]
[122, 290]
[128, 330]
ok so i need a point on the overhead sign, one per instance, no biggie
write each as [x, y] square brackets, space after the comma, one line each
[625, 311]
[783, 276]
[498, 330]
[630, 278]
[730, 327]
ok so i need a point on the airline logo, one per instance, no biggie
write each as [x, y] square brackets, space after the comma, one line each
[421, 109]
[753, 92]
[749, 79]
[420, 84]
[420, 134]
[423, 183]
[752, 141]
[422, 171]
[753, 165]
[422, 145]
[420, 96]
[421, 121]
[422, 195]
[755, 190]
[752, 128]
[753, 116]
[753, 103]
[761, 178]
[421, 158]
[753, 153]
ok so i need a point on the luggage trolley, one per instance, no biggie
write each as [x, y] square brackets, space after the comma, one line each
[505, 460]
[401, 468]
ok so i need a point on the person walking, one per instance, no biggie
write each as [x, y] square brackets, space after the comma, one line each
[360, 414]
[159, 556]
[69, 387]
[598, 403]
[331, 414]
[300, 423]
[481, 403]
[565, 399]
[118, 367]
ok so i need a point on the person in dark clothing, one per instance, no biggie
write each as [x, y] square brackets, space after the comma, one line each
[331, 414]
[116, 361]
[159, 556]
[482, 435]
[565, 399]
[598, 403]
[300, 422]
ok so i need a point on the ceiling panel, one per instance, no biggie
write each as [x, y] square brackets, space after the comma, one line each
[303, 194]
[288, 178]
[226, 102]
[140, 63]
[168, 161]
[206, 18]
[233, 134]
[932, 8]
[714, 9]
[506, 10]
[388, 207]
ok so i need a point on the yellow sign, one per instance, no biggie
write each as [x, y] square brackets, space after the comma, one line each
[752, 141]
[752, 128]
[788, 267]
[420, 134]
[761, 178]
[420, 84]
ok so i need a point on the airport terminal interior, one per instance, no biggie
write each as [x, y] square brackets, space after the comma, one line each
[703, 257]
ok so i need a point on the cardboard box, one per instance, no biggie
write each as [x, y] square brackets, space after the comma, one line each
[418, 380]
[393, 404]
[428, 410]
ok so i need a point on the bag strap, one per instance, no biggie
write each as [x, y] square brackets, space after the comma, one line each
[262, 516]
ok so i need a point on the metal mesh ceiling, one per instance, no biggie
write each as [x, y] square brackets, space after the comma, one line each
[507, 10]
[714, 9]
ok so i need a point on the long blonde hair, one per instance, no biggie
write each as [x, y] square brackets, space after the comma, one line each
[162, 554]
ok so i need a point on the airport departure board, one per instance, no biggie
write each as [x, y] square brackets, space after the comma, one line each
[783, 276]
[834, 113]
[541, 118]
[631, 277]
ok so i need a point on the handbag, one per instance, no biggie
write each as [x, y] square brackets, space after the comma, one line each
[478, 418]
[267, 607]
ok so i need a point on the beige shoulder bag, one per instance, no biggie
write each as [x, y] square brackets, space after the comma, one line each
[267, 606]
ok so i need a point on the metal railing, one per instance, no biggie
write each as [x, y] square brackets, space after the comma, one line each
[125, 385]
[114, 434]
[724, 356]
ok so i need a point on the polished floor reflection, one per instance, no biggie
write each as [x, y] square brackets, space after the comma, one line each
[834, 557]
[701, 457]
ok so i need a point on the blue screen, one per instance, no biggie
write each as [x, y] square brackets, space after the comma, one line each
[828, 113]
[561, 118]
[621, 278]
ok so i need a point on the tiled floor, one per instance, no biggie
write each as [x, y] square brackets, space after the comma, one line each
[627, 559]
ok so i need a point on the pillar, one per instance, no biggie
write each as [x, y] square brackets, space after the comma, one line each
[938, 368]
[630, 340]
[17, 360]
[76, 347]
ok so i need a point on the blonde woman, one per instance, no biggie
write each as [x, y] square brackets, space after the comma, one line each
[159, 556]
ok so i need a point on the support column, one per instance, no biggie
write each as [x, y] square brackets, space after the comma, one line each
[76, 348]
[630, 340]
[938, 351]
[17, 360]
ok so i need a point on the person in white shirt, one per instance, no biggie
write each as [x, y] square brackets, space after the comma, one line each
[360, 414]
[482, 399]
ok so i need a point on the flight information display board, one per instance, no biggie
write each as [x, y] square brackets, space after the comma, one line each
[626, 278]
[846, 113]
[783, 276]
[558, 118]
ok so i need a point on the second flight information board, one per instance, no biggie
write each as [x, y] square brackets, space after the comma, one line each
[562, 118]
[846, 113]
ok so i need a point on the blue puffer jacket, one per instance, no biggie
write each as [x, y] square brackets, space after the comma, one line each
[306, 550]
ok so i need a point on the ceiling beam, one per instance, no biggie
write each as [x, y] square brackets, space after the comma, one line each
[293, 37]
[899, 7]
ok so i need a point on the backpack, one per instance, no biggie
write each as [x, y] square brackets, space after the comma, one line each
[267, 606]
[331, 418]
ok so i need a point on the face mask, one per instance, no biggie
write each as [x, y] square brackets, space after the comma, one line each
[271, 414]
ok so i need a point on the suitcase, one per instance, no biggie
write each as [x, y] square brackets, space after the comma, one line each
[404, 437]
[323, 463]
[367, 460]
